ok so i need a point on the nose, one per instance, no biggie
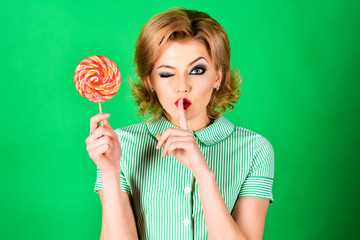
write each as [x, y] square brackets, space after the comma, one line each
[182, 85]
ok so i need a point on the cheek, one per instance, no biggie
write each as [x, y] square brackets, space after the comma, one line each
[204, 86]
[163, 90]
[162, 85]
[163, 93]
[203, 94]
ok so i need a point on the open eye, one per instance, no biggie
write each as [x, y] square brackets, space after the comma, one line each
[198, 70]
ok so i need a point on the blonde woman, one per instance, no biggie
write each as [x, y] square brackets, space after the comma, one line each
[187, 172]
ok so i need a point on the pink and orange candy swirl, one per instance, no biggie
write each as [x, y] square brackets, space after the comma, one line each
[97, 78]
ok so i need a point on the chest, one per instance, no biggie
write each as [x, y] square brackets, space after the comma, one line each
[163, 184]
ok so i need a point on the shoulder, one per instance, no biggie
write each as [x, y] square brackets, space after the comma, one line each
[135, 130]
[260, 146]
[244, 132]
[255, 139]
[261, 151]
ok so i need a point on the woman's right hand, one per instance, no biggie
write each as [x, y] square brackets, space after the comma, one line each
[103, 144]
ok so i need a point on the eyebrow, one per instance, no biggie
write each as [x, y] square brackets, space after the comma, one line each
[167, 66]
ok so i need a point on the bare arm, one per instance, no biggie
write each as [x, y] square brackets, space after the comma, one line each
[249, 214]
[118, 221]
[218, 220]
[247, 221]
[104, 149]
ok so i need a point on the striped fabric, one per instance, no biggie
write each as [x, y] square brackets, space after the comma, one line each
[165, 193]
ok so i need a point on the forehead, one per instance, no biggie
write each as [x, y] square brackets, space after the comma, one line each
[180, 52]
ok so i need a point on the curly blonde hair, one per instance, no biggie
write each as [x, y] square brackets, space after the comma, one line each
[179, 24]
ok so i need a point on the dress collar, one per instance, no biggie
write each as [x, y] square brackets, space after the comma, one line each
[216, 132]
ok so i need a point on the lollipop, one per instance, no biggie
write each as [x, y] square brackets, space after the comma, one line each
[97, 78]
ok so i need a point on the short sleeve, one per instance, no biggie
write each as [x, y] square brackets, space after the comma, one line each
[124, 183]
[259, 181]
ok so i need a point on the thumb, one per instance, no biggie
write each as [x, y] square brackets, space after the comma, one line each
[107, 124]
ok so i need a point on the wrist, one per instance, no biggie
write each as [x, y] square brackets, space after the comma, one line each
[110, 174]
[203, 173]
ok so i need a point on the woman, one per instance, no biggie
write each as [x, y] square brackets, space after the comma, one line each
[188, 172]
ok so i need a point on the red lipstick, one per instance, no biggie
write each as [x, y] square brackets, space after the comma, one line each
[186, 102]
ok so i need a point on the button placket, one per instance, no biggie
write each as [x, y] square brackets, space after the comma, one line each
[186, 221]
[187, 189]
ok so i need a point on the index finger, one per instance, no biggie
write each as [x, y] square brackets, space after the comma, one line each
[182, 118]
[94, 120]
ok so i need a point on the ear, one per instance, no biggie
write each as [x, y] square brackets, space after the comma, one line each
[218, 78]
[148, 81]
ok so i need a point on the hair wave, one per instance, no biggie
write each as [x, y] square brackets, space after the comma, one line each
[178, 24]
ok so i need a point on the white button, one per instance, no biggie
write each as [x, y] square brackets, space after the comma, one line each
[187, 190]
[186, 221]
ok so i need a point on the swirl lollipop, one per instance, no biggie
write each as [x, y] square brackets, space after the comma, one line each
[97, 78]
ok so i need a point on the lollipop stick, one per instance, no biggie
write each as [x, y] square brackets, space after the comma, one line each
[102, 121]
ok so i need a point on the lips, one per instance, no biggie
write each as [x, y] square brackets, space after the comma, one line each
[187, 103]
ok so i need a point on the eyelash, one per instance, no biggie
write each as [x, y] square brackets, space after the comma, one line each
[203, 68]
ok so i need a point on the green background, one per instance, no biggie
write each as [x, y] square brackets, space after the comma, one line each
[299, 62]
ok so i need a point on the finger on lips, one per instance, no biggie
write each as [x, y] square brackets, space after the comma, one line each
[164, 139]
[182, 118]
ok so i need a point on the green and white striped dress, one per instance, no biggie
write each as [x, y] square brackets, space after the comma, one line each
[165, 193]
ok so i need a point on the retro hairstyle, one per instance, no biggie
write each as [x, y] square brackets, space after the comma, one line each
[178, 24]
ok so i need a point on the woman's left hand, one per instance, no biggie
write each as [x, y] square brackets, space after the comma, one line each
[180, 142]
